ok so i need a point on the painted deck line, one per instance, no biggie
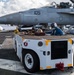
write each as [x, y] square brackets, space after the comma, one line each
[12, 65]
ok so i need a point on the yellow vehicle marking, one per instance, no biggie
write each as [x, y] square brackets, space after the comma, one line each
[69, 65]
[48, 67]
[70, 41]
[47, 42]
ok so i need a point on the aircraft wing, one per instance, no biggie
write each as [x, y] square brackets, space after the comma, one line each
[70, 13]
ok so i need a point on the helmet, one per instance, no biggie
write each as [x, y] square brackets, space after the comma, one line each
[53, 25]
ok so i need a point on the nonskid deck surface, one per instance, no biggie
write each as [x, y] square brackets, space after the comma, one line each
[4, 35]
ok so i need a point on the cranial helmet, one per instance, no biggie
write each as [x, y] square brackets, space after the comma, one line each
[53, 25]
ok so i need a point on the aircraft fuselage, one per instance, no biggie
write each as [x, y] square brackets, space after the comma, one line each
[62, 16]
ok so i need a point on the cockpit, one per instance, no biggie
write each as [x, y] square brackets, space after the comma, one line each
[61, 5]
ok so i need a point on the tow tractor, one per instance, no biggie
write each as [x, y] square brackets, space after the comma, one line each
[44, 52]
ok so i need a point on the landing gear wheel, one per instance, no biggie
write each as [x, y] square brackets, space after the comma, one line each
[30, 61]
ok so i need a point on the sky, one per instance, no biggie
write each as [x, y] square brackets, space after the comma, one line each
[11, 6]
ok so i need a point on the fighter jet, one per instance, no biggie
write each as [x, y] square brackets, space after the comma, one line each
[61, 13]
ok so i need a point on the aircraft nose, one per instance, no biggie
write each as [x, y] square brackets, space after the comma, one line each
[14, 18]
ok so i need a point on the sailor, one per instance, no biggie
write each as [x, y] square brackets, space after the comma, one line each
[56, 30]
